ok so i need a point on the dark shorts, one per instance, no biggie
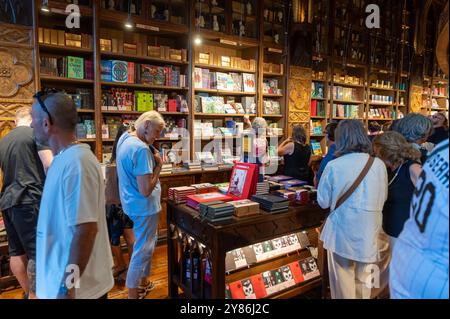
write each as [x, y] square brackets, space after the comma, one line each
[20, 224]
[117, 221]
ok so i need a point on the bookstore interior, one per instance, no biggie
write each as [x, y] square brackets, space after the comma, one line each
[228, 227]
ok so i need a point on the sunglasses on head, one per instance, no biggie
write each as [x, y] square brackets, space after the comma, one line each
[41, 96]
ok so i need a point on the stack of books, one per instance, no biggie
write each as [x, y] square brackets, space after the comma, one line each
[262, 188]
[166, 168]
[179, 194]
[278, 178]
[223, 187]
[289, 195]
[271, 203]
[216, 211]
[301, 194]
[274, 186]
[293, 183]
[194, 201]
[193, 166]
[245, 207]
[204, 188]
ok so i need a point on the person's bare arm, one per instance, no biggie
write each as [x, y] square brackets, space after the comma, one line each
[414, 172]
[80, 251]
[287, 147]
[46, 157]
[146, 183]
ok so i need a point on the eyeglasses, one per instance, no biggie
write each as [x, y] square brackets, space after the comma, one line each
[41, 96]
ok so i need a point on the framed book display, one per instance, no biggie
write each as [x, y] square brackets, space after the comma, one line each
[243, 181]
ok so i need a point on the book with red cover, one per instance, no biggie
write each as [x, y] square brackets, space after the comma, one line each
[88, 69]
[194, 201]
[258, 286]
[313, 107]
[296, 272]
[244, 180]
[242, 289]
[130, 72]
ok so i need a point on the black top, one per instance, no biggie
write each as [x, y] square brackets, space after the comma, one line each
[397, 206]
[23, 173]
[296, 165]
[440, 134]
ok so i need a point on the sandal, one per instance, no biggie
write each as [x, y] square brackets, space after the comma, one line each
[143, 290]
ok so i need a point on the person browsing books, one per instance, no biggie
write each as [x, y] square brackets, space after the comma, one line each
[351, 234]
[329, 135]
[72, 236]
[403, 163]
[440, 128]
[23, 164]
[416, 128]
[296, 155]
[138, 170]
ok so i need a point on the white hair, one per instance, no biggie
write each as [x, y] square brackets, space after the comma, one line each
[153, 117]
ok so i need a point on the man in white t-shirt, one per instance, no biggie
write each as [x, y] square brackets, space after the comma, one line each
[73, 257]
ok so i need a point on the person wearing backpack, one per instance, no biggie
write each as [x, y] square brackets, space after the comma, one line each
[354, 187]
[119, 224]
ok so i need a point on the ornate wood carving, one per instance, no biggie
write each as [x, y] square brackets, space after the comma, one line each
[299, 96]
[16, 72]
[442, 41]
[416, 98]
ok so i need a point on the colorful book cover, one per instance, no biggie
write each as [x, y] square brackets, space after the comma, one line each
[296, 272]
[258, 286]
[236, 82]
[130, 77]
[75, 67]
[119, 71]
[205, 79]
[316, 148]
[249, 82]
[89, 69]
[243, 181]
[309, 268]
[197, 78]
[222, 81]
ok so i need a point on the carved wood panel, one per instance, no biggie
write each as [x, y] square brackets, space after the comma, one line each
[416, 98]
[300, 80]
[16, 72]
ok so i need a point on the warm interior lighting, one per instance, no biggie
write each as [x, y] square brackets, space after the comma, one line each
[197, 40]
[129, 24]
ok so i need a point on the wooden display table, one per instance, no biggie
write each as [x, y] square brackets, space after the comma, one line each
[219, 238]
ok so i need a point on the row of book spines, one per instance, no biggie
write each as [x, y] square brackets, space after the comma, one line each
[345, 110]
[225, 61]
[381, 113]
[116, 41]
[134, 74]
[68, 67]
[62, 38]
[317, 108]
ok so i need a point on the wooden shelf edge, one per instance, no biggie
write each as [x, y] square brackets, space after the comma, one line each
[144, 86]
[51, 78]
[134, 57]
[222, 68]
[66, 49]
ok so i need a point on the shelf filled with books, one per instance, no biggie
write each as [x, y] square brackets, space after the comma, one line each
[319, 114]
[65, 61]
[273, 82]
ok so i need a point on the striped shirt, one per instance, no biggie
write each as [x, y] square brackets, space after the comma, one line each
[419, 267]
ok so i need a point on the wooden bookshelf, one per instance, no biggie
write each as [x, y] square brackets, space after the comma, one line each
[67, 81]
[144, 86]
[222, 68]
[142, 59]
[49, 48]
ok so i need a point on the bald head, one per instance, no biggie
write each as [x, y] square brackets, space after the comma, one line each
[23, 116]
[63, 111]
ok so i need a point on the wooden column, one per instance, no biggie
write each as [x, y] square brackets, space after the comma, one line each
[97, 80]
[16, 72]
[299, 101]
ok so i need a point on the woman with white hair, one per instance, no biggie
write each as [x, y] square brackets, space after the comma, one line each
[416, 128]
[138, 170]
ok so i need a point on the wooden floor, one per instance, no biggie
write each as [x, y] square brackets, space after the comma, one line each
[158, 275]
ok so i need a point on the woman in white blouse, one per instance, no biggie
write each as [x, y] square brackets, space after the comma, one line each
[352, 231]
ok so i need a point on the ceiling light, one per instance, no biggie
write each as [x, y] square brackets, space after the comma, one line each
[198, 40]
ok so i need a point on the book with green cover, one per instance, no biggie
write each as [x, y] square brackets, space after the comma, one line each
[75, 67]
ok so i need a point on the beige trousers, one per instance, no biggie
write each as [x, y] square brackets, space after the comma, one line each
[351, 279]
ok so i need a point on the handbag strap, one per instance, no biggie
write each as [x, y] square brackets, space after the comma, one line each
[355, 185]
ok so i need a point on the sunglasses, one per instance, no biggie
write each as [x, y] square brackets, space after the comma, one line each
[41, 96]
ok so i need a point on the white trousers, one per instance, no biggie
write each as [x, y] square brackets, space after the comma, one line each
[348, 278]
[351, 279]
[145, 230]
